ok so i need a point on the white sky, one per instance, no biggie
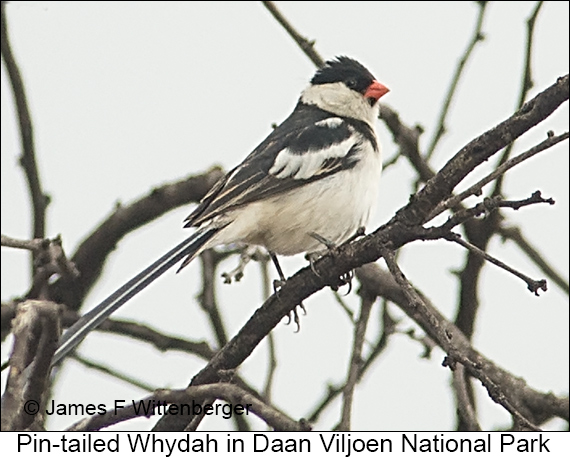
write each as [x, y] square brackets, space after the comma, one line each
[126, 96]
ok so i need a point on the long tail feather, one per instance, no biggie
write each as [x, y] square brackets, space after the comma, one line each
[75, 334]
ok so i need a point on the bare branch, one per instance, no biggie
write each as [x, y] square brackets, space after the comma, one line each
[476, 38]
[526, 85]
[388, 329]
[527, 82]
[408, 140]
[228, 392]
[113, 373]
[306, 45]
[49, 259]
[477, 188]
[207, 297]
[355, 366]
[427, 343]
[487, 206]
[514, 388]
[149, 335]
[514, 234]
[28, 158]
[30, 245]
[36, 331]
[480, 233]
[465, 407]
[488, 144]
[272, 354]
[453, 342]
[533, 285]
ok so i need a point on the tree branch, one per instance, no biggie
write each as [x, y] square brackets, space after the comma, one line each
[112, 373]
[355, 366]
[36, 331]
[532, 285]
[476, 38]
[228, 392]
[504, 388]
[514, 234]
[306, 45]
[28, 158]
[476, 189]
[526, 85]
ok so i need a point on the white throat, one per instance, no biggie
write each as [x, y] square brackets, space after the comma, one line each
[342, 101]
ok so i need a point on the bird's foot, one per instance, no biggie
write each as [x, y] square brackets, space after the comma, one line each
[247, 255]
[321, 239]
[277, 285]
[345, 279]
[295, 317]
[312, 257]
[360, 231]
[332, 249]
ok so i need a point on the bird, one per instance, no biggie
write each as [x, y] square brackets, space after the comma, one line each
[313, 180]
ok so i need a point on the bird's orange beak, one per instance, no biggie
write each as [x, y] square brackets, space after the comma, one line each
[376, 90]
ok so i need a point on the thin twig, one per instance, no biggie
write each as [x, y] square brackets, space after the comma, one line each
[207, 297]
[515, 235]
[526, 85]
[343, 305]
[427, 343]
[533, 285]
[487, 206]
[113, 373]
[144, 333]
[476, 189]
[476, 38]
[355, 362]
[465, 407]
[527, 82]
[388, 329]
[392, 161]
[28, 158]
[272, 354]
[49, 259]
[30, 245]
[306, 45]
[480, 234]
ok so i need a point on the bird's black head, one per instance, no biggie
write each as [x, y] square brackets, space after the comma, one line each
[346, 70]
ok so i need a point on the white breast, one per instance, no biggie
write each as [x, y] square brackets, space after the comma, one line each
[333, 207]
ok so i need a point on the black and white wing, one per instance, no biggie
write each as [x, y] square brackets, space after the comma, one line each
[309, 145]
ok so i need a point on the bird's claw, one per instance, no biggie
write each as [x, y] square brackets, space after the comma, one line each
[346, 278]
[296, 316]
[332, 250]
[248, 254]
[277, 285]
[312, 258]
[236, 274]
[360, 231]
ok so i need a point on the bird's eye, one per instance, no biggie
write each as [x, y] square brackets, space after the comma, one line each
[350, 83]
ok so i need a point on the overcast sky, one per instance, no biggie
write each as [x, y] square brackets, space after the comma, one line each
[125, 96]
